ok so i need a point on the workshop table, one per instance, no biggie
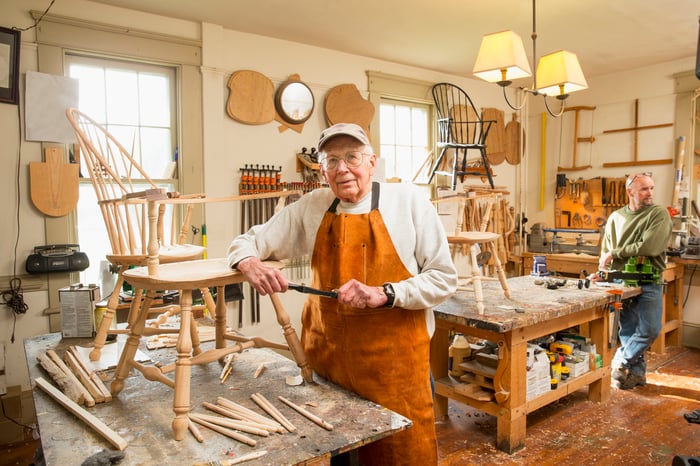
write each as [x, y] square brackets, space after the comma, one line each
[142, 413]
[532, 312]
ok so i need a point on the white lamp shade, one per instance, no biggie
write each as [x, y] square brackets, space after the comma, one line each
[560, 73]
[499, 52]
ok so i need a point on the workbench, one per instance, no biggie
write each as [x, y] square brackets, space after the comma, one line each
[572, 265]
[143, 411]
[540, 312]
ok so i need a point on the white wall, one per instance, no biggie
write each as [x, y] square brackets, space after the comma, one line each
[228, 145]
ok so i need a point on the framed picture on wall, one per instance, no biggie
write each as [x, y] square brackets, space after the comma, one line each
[9, 65]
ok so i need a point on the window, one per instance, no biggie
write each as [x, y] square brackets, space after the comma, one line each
[136, 103]
[404, 135]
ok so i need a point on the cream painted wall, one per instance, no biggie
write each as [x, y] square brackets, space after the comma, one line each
[228, 145]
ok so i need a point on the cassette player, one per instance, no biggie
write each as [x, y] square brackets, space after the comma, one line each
[57, 258]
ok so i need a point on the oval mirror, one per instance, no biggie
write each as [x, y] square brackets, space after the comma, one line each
[294, 102]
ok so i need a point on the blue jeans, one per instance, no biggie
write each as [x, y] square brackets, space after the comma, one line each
[640, 324]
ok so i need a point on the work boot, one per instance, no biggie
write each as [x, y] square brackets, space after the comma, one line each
[619, 374]
[632, 381]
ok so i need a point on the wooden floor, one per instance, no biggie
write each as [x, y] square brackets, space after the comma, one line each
[644, 426]
[638, 427]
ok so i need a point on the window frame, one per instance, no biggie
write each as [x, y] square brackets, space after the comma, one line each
[399, 88]
[60, 34]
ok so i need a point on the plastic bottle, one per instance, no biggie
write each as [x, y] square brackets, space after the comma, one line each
[458, 352]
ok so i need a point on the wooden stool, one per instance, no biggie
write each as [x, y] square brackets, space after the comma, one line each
[488, 241]
[188, 276]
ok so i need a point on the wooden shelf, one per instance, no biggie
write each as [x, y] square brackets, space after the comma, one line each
[302, 162]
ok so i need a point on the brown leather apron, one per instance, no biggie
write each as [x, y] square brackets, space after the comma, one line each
[380, 354]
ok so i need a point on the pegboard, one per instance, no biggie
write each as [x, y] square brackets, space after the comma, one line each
[588, 203]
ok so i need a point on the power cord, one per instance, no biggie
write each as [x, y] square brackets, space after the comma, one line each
[14, 299]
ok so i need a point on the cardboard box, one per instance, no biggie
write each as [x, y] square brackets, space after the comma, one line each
[578, 363]
[78, 310]
[12, 402]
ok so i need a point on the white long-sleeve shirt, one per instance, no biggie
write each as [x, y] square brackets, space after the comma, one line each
[410, 218]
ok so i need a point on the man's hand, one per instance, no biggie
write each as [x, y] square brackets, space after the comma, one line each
[605, 259]
[266, 280]
[361, 296]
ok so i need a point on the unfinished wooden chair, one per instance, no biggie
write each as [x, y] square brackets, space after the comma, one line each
[187, 277]
[481, 247]
[115, 175]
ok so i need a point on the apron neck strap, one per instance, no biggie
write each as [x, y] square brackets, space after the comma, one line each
[375, 199]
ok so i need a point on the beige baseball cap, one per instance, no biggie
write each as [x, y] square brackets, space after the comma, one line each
[348, 129]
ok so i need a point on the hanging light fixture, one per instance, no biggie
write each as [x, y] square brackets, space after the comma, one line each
[502, 59]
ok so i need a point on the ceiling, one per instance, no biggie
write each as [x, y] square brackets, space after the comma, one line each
[444, 35]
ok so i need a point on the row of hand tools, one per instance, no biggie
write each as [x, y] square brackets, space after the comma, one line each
[257, 179]
[260, 179]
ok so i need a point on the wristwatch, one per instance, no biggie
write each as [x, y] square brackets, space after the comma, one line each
[390, 294]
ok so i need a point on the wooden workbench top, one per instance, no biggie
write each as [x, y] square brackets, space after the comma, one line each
[530, 303]
[142, 414]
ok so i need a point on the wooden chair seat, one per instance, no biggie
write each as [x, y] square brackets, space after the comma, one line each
[473, 237]
[187, 276]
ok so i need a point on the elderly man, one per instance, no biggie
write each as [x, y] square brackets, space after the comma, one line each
[383, 248]
[640, 229]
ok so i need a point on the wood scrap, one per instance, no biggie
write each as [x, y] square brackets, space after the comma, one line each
[473, 391]
[110, 435]
[89, 400]
[83, 377]
[259, 370]
[67, 385]
[94, 376]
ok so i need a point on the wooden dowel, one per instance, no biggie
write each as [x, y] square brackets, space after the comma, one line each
[243, 426]
[261, 401]
[111, 436]
[249, 414]
[240, 459]
[195, 430]
[224, 431]
[306, 413]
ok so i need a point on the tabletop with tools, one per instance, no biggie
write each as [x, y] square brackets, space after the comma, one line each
[538, 306]
[334, 420]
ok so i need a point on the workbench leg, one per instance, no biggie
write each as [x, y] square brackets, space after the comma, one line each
[511, 421]
[183, 368]
[439, 353]
[132, 344]
[599, 329]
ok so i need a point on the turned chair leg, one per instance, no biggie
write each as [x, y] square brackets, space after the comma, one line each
[102, 332]
[131, 345]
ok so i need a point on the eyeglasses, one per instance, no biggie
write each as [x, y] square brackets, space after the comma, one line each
[351, 159]
[631, 179]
